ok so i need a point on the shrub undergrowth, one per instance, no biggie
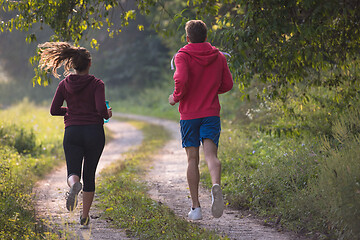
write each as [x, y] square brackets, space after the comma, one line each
[30, 147]
[308, 183]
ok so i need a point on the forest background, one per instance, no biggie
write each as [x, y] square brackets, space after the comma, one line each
[290, 139]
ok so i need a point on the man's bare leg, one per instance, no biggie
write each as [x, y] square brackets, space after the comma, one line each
[214, 165]
[193, 174]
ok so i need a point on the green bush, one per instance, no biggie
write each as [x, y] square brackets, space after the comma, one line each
[308, 184]
[17, 220]
[330, 205]
[260, 171]
[30, 147]
[339, 179]
[22, 140]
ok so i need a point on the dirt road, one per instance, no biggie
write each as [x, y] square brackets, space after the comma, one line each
[50, 193]
[167, 181]
[168, 184]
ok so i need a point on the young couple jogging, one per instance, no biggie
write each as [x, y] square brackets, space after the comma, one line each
[201, 74]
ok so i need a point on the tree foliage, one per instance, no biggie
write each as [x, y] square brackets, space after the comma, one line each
[133, 60]
[70, 20]
[282, 44]
[296, 42]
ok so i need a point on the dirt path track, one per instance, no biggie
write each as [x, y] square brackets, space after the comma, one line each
[167, 181]
[50, 192]
[168, 184]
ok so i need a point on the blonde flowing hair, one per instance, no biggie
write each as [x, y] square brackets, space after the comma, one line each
[55, 54]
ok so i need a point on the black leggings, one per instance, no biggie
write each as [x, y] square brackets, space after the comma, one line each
[83, 142]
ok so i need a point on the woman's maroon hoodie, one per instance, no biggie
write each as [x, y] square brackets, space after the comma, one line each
[85, 100]
[201, 74]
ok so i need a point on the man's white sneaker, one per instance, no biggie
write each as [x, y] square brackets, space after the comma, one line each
[195, 214]
[217, 207]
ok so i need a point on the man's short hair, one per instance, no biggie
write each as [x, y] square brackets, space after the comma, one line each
[196, 30]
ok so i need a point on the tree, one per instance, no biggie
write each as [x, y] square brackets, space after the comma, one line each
[70, 20]
[295, 42]
[134, 59]
[282, 44]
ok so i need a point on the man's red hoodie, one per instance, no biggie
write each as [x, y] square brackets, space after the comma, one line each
[201, 74]
[85, 100]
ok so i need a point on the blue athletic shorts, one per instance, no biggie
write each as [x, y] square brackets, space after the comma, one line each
[194, 131]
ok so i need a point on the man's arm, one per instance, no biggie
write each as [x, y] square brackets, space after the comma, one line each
[180, 77]
[227, 80]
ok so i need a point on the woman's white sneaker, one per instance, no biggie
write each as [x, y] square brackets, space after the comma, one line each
[195, 214]
[217, 207]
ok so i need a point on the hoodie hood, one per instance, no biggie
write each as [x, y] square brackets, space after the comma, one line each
[75, 83]
[203, 53]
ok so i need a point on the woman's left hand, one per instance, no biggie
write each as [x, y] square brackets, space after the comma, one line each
[109, 112]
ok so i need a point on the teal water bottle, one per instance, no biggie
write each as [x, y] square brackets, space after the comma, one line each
[108, 106]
